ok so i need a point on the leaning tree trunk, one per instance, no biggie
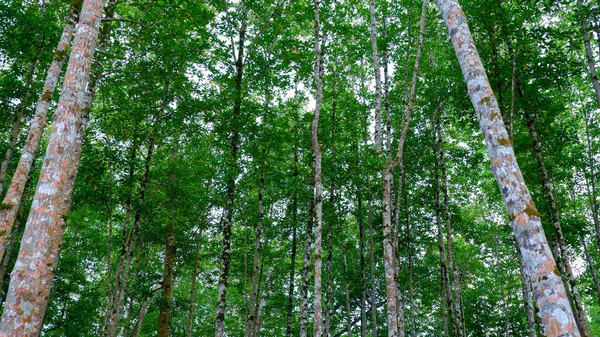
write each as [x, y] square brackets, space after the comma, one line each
[564, 257]
[14, 194]
[548, 288]
[29, 288]
[141, 315]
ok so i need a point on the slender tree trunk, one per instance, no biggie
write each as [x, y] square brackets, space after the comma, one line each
[445, 293]
[190, 322]
[231, 185]
[290, 309]
[588, 52]
[549, 290]
[17, 123]
[253, 304]
[564, 257]
[14, 195]
[347, 293]
[363, 269]
[591, 182]
[31, 279]
[373, 278]
[411, 297]
[454, 282]
[170, 251]
[317, 154]
[141, 315]
[306, 269]
[263, 303]
[527, 303]
[499, 271]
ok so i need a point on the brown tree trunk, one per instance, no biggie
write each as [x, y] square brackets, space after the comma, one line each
[14, 194]
[549, 290]
[231, 185]
[564, 257]
[141, 315]
[31, 279]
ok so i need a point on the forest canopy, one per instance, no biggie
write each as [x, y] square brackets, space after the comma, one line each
[318, 168]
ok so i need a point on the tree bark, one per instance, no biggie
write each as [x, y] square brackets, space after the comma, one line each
[231, 185]
[305, 270]
[31, 279]
[317, 154]
[190, 322]
[527, 303]
[141, 315]
[14, 194]
[549, 290]
[170, 251]
[564, 257]
[290, 309]
[588, 52]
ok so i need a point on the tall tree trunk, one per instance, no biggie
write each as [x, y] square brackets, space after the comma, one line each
[564, 257]
[527, 303]
[14, 194]
[372, 264]
[190, 322]
[363, 269]
[454, 281]
[290, 309]
[251, 319]
[31, 279]
[170, 251]
[263, 302]
[590, 183]
[549, 290]
[317, 154]
[231, 185]
[305, 269]
[588, 51]
[445, 293]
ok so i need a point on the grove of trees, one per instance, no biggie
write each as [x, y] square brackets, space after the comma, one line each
[299, 168]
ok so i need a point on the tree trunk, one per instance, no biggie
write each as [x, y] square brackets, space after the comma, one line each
[373, 278]
[411, 297]
[549, 291]
[305, 270]
[263, 302]
[564, 257]
[190, 322]
[231, 185]
[290, 309]
[141, 315]
[14, 194]
[588, 52]
[31, 279]
[445, 293]
[347, 293]
[251, 319]
[527, 303]
[317, 153]
[363, 269]
[590, 183]
[499, 271]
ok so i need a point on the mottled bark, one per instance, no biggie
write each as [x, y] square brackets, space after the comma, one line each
[38, 257]
[230, 182]
[14, 194]
[565, 266]
[317, 157]
[527, 303]
[290, 308]
[305, 270]
[548, 288]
